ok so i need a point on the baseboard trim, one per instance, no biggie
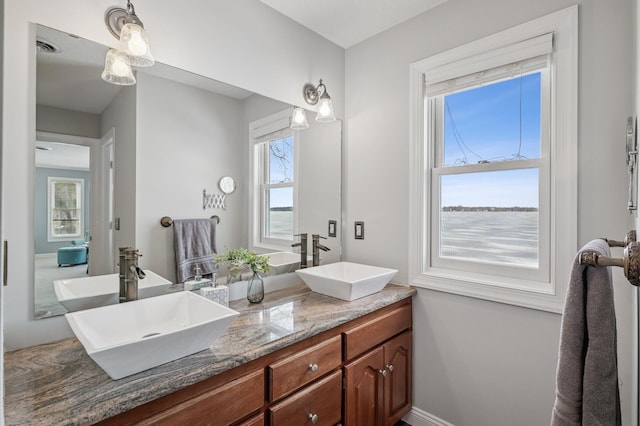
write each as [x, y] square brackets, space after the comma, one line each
[418, 417]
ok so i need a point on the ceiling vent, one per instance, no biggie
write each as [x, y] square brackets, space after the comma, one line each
[46, 47]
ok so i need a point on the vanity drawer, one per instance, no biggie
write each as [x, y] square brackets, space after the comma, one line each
[254, 421]
[365, 336]
[322, 400]
[223, 405]
[295, 371]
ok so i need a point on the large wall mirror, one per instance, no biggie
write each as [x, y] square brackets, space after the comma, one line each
[111, 161]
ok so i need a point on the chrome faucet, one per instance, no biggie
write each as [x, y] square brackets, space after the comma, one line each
[316, 249]
[130, 273]
[303, 249]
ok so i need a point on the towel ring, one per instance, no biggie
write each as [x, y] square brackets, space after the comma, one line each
[166, 221]
[630, 261]
[629, 238]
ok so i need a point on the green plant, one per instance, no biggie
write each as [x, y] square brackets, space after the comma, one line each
[237, 258]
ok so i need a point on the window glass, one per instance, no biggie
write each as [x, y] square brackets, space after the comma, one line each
[66, 209]
[281, 160]
[494, 122]
[490, 217]
[279, 213]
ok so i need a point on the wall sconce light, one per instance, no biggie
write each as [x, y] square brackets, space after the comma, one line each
[117, 69]
[133, 49]
[318, 94]
[298, 119]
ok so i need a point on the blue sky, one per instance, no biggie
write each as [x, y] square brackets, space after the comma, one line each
[484, 124]
[281, 169]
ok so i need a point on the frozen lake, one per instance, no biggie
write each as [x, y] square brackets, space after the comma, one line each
[504, 237]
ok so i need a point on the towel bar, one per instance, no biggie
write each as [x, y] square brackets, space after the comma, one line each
[166, 221]
[629, 262]
[629, 238]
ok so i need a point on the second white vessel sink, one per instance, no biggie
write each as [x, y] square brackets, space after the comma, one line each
[131, 337]
[346, 280]
[78, 294]
[282, 262]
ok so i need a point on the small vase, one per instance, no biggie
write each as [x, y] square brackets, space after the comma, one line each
[255, 288]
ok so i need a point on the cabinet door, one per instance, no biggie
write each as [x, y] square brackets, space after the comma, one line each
[397, 392]
[364, 389]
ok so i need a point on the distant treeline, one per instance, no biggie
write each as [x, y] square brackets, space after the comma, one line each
[488, 209]
[281, 209]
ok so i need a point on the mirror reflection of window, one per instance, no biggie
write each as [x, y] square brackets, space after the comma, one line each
[278, 188]
[66, 208]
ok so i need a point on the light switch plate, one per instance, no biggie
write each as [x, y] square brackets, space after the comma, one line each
[333, 224]
[359, 230]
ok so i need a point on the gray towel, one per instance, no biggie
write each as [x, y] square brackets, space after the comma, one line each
[195, 243]
[587, 376]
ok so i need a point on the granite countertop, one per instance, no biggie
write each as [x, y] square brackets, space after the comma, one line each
[57, 383]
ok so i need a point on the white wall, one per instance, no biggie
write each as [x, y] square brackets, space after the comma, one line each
[187, 139]
[242, 42]
[319, 180]
[64, 121]
[477, 362]
[120, 115]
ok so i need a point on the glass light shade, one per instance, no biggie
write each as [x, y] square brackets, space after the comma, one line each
[325, 110]
[298, 119]
[117, 70]
[134, 43]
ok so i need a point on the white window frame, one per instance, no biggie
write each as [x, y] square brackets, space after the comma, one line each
[272, 127]
[546, 291]
[51, 181]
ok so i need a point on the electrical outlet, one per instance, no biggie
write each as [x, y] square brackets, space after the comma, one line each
[359, 230]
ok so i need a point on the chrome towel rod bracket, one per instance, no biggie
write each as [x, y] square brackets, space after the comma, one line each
[166, 221]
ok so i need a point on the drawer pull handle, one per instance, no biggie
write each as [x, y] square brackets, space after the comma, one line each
[383, 372]
[313, 367]
[390, 368]
[313, 418]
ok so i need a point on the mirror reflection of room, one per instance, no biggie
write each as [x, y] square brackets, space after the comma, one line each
[154, 147]
[61, 215]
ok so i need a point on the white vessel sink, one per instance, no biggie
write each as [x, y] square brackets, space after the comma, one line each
[282, 262]
[77, 294]
[130, 337]
[346, 280]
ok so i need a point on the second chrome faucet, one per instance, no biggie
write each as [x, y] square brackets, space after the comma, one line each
[303, 249]
[316, 247]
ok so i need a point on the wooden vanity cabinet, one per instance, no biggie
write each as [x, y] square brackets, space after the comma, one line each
[358, 373]
[378, 383]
